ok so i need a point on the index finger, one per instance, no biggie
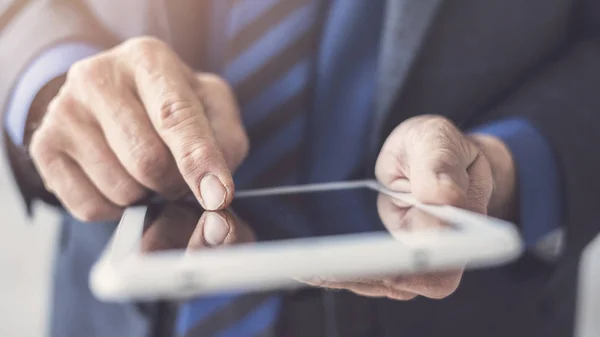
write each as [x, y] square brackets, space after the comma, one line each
[180, 120]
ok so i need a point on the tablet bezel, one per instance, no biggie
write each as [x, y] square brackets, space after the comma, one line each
[123, 273]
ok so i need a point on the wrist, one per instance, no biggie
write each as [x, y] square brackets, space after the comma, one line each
[503, 203]
[39, 105]
[25, 171]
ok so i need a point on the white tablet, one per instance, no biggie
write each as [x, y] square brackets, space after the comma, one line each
[285, 234]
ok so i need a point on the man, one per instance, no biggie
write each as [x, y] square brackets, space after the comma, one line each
[308, 91]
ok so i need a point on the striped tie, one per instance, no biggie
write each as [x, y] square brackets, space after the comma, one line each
[270, 66]
[269, 63]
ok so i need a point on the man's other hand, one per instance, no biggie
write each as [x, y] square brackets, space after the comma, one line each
[136, 119]
[429, 157]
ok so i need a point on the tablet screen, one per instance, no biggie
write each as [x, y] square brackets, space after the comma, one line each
[284, 216]
[277, 236]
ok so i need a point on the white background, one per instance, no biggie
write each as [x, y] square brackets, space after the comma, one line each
[26, 251]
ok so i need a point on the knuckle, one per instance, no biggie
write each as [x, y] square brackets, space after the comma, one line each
[195, 159]
[90, 77]
[86, 70]
[55, 106]
[239, 147]
[53, 163]
[174, 110]
[42, 148]
[92, 210]
[39, 146]
[143, 52]
[143, 44]
[126, 192]
[216, 94]
[213, 82]
[93, 155]
[150, 161]
[60, 109]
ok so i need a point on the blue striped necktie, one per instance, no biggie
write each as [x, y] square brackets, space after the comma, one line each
[269, 63]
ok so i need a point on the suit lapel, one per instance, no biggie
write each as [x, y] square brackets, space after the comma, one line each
[405, 24]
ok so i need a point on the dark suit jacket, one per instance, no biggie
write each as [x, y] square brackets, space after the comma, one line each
[470, 60]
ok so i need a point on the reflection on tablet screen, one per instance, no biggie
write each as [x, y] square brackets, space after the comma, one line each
[178, 225]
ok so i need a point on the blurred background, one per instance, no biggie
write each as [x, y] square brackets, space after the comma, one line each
[26, 251]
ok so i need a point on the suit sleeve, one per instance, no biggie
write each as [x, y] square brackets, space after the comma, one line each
[539, 198]
[562, 102]
[40, 26]
[49, 65]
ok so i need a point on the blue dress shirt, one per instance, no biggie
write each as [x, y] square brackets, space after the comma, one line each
[347, 69]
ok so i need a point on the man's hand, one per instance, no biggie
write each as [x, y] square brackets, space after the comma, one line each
[136, 119]
[429, 157]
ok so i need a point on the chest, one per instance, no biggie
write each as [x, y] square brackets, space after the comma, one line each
[467, 40]
[473, 54]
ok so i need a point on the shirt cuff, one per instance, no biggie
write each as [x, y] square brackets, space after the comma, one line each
[49, 65]
[537, 176]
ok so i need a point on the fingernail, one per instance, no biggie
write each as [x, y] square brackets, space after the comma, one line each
[212, 192]
[216, 229]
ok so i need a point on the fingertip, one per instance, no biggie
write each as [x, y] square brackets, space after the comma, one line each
[215, 229]
[216, 192]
